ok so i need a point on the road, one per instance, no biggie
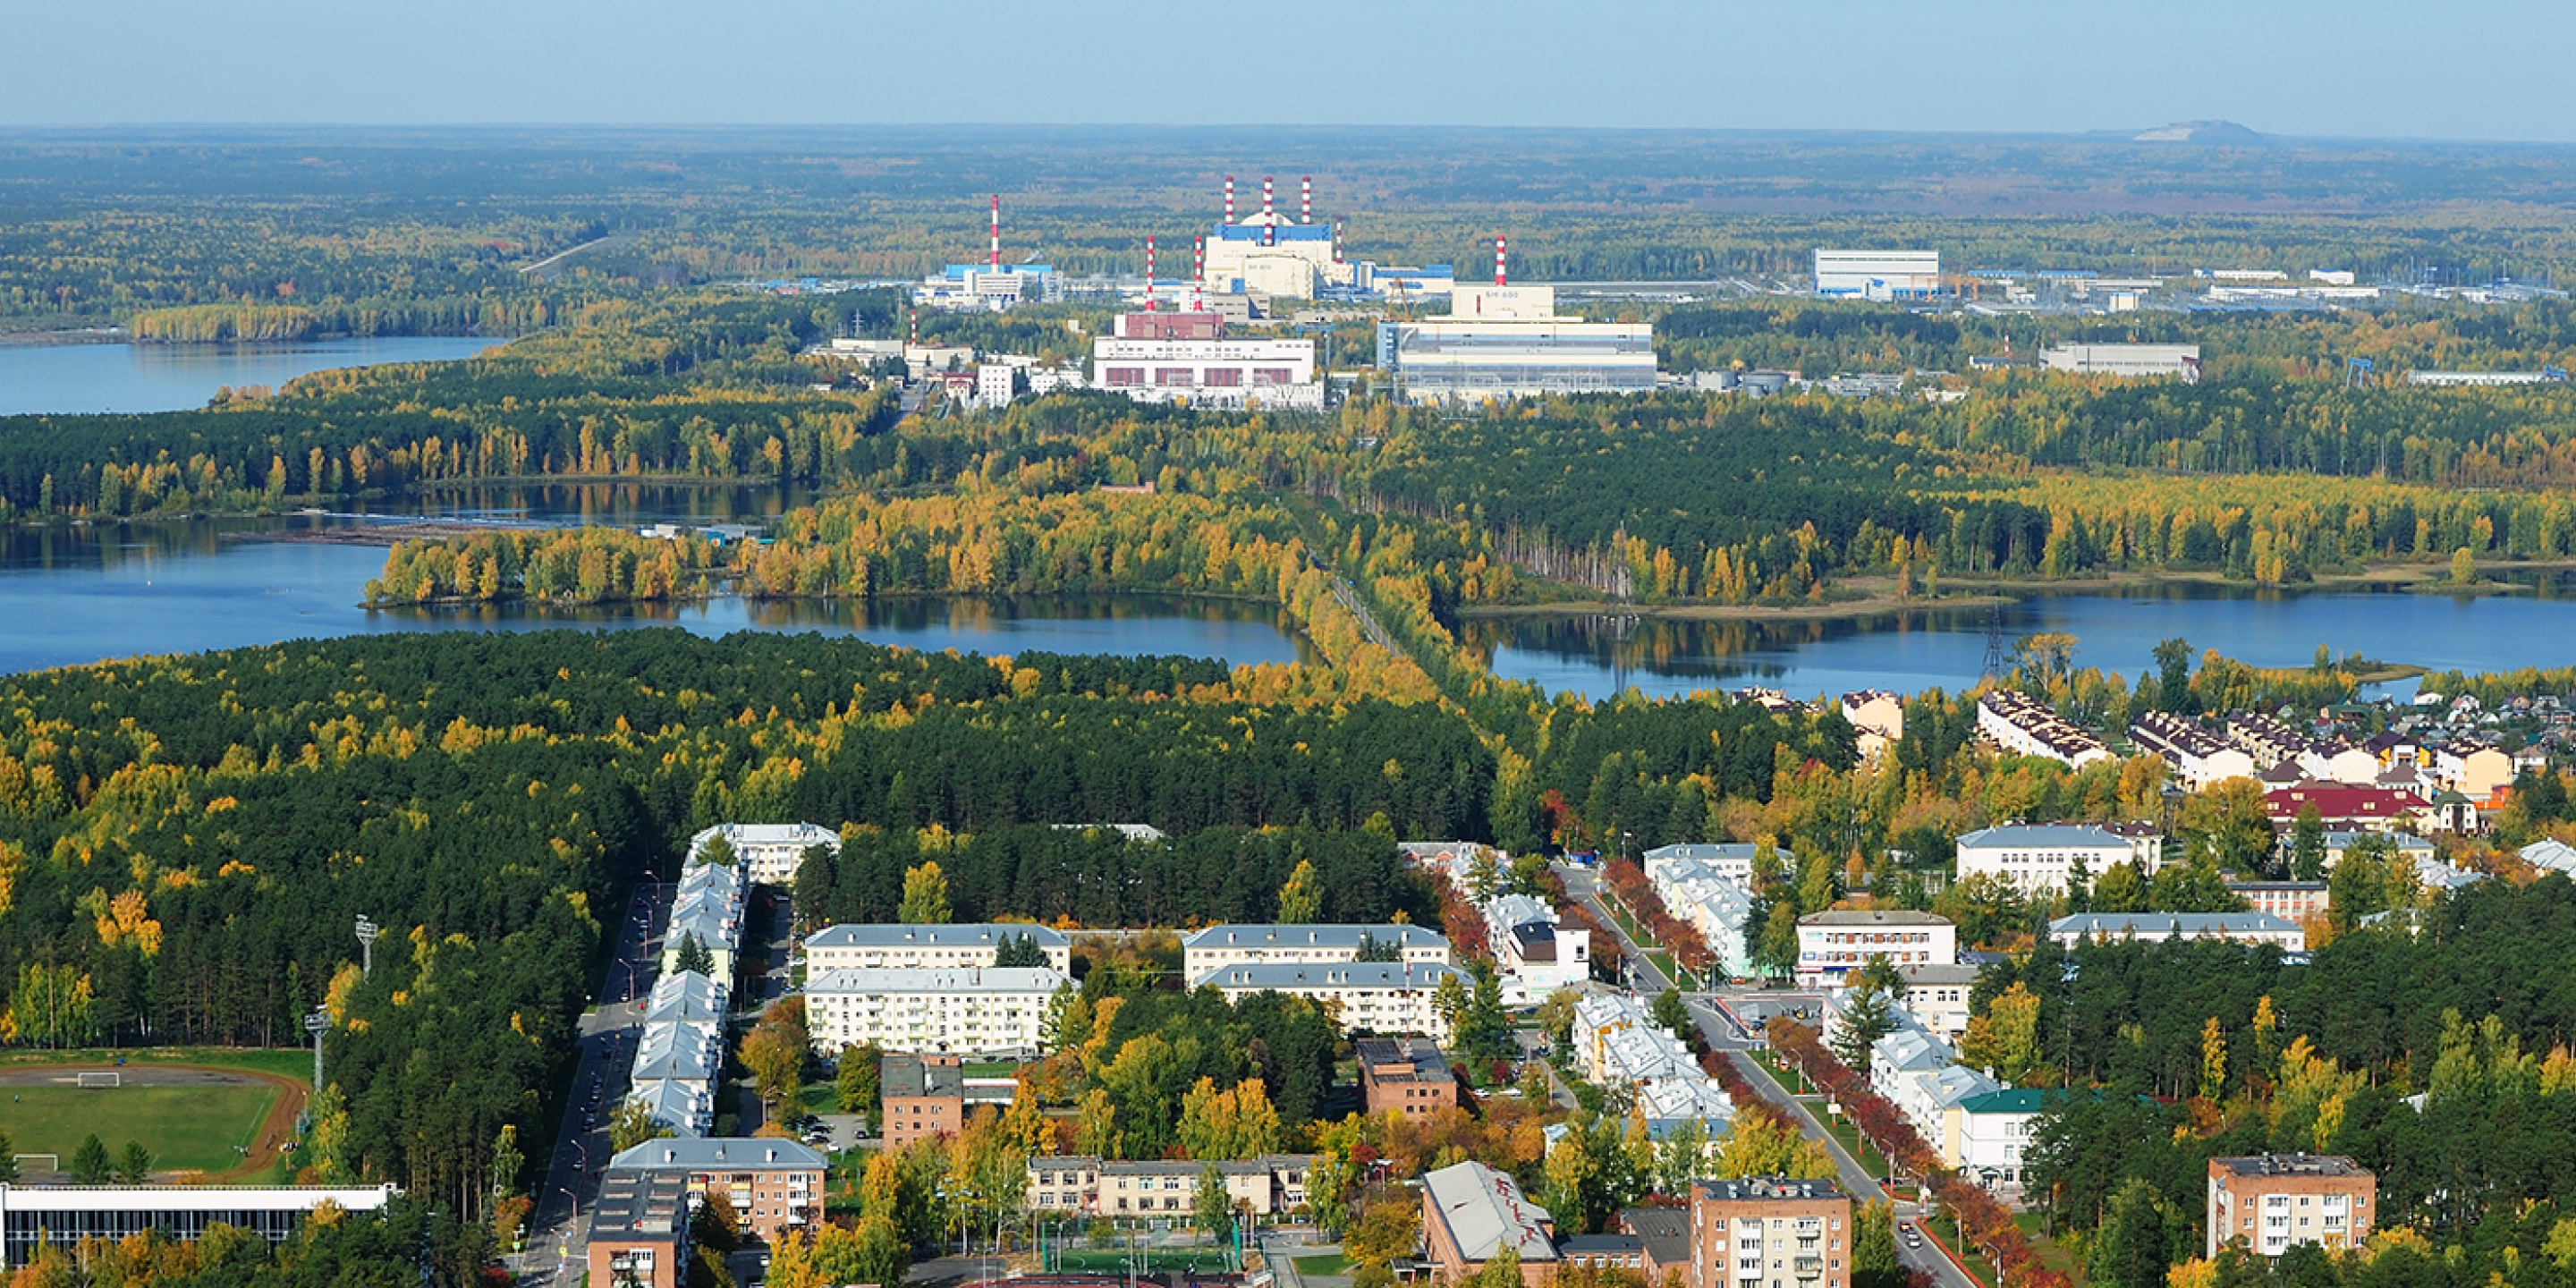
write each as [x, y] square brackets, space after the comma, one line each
[1735, 1046]
[555, 1252]
[775, 976]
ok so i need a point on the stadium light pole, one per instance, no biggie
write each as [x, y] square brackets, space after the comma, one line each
[317, 1023]
[367, 932]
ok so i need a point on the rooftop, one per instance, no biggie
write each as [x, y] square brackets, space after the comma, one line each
[1769, 1188]
[2041, 835]
[716, 1153]
[1486, 1212]
[1666, 1232]
[2291, 1165]
[639, 1206]
[1402, 1060]
[979, 934]
[1253, 935]
[910, 1075]
[2102, 924]
[1872, 917]
[948, 979]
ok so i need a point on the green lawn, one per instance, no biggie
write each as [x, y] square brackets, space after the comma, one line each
[1871, 1160]
[1947, 1231]
[2051, 1254]
[199, 1127]
[820, 1098]
[1330, 1263]
[990, 1069]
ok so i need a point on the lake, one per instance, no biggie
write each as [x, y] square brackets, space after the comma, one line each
[1916, 650]
[74, 595]
[84, 378]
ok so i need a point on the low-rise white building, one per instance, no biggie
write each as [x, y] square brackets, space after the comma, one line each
[2041, 858]
[1000, 1012]
[1730, 859]
[1833, 944]
[1536, 955]
[905, 947]
[1936, 995]
[2199, 757]
[1617, 1043]
[768, 853]
[1243, 944]
[1368, 997]
[2157, 927]
[1984, 1136]
[1711, 902]
[1878, 716]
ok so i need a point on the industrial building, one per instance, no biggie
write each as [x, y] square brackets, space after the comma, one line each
[991, 286]
[1878, 274]
[1505, 341]
[1185, 357]
[2454, 379]
[2131, 361]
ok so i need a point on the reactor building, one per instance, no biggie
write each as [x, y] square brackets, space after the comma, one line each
[1878, 274]
[1504, 341]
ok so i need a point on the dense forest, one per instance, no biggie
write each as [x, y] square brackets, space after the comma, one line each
[484, 797]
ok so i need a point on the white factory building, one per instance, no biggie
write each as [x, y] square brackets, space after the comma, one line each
[1878, 274]
[2127, 361]
[1502, 342]
[1186, 357]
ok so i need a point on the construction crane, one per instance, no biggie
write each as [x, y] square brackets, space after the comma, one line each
[2359, 373]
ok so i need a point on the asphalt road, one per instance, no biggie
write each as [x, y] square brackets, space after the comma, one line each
[555, 1244]
[1735, 1045]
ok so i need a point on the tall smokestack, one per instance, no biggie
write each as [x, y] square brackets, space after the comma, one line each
[1265, 194]
[997, 232]
[1229, 199]
[912, 319]
[1198, 260]
[1149, 272]
[1306, 204]
[1502, 262]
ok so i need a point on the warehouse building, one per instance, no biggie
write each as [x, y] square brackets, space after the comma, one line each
[2127, 361]
[33, 1216]
[1503, 342]
[1878, 274]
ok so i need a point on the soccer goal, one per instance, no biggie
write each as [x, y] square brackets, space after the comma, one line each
[102, 1080]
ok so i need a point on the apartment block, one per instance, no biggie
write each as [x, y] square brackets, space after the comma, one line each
[2271, 1201]
[1770, 1232]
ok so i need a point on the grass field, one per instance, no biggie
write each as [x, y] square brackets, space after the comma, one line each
[1325, 1265]
[193, 1127]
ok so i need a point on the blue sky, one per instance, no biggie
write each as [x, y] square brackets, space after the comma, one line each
[2365, 68]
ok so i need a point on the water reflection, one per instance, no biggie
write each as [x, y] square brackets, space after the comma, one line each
[1922, 648]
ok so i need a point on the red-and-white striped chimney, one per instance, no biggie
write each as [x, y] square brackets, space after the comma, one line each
[1229, 199]
[1265, 194]
[997, 232]
[1502, 262]
[1306, 203]
[1149, 272]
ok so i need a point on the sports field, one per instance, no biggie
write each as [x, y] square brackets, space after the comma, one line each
[1105, 1261]
[190, 1118]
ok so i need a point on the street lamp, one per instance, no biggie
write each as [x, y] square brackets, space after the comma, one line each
[317, 1024]
[367, 932]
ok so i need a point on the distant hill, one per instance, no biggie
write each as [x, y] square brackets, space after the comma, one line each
[2221, 132]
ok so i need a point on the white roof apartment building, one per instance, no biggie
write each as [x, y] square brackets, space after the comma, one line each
[2157, 927]
[2023, 726]
[1368, 997]
[2199, 757]
[1833, 944]
[767, 852]
[1617, 1043]
[1712, 902]
[879, 946]
[2039, 858]
[1248, 944]
[1536, 955]
[999, 1011]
